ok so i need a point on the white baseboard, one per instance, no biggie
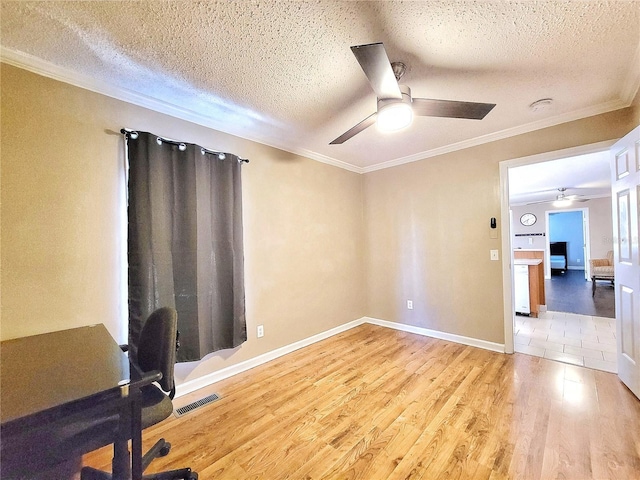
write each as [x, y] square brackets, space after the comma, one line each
[211, 378]
[451, 337]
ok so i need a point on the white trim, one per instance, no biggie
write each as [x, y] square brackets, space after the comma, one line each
[506, 221]
[318, 157]
[505, 213]
[200, 382]
[501, 135]
[547, 249]
[558, 154]
[214, 377]
[426, 332]
[47, 69]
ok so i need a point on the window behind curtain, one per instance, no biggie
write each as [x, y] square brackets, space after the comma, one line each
[185, 245]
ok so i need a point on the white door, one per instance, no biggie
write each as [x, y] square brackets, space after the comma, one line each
[625, 192]
[586, 252]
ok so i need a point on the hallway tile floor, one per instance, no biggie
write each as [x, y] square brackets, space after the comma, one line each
[584, 340]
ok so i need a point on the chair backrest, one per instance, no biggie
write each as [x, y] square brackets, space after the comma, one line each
[157, 345]
[610, 257]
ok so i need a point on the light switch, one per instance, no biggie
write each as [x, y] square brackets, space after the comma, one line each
[494, 255]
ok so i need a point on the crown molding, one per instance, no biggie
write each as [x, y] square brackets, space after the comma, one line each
[507, 133]
[560, 154]
[36, 65]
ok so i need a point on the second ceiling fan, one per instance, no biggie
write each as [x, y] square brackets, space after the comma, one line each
[394, 100]
[562, 198]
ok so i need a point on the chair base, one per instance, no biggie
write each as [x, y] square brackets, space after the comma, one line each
[90, 473]
[160, 449]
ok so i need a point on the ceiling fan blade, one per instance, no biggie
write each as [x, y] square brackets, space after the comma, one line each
[367, 122]
[539, 202]
[557, 199]
[376, 65]
[428, 107]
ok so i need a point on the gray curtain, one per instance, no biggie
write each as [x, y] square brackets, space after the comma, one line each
[185, 243]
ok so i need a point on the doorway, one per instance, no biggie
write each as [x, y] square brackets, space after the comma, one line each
[585, 340]
[570, 226]
[569, 289]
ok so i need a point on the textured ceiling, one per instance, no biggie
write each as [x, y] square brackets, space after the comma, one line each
[282, 73]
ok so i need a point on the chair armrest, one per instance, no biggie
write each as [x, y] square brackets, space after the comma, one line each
[147, 378]
[152, 376]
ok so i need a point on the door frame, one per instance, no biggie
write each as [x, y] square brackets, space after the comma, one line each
[505, 223]
[586, 247]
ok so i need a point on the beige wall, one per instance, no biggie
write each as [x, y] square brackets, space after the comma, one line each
[323, 246]
[600, 225]
[62, 222]
[428, 236]
[636, 109]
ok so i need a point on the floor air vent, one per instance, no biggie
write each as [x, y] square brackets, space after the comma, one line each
[195, 405]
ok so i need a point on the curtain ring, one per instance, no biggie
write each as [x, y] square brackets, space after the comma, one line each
[129, 133]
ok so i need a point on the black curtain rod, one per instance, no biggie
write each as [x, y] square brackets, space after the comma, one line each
[181, 145]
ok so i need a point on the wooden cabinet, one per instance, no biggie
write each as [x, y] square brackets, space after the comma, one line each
[519, 254]
[533, 259]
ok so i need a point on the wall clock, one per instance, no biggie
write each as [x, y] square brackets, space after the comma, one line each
[528, 219]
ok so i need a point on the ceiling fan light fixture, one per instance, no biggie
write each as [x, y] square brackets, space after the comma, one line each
[395, 113]
[394, 116]
[396, 108]
[562, 202]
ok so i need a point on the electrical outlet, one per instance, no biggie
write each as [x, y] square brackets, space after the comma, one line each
[410, 304]
[260, 331]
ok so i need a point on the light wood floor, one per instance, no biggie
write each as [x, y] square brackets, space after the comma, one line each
[373, 403]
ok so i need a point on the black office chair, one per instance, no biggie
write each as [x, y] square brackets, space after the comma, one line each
[156, 351]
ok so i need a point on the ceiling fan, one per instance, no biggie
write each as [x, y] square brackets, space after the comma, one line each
[396, 108]
[562, 198]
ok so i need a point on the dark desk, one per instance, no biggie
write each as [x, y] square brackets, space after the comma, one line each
[54, 380]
